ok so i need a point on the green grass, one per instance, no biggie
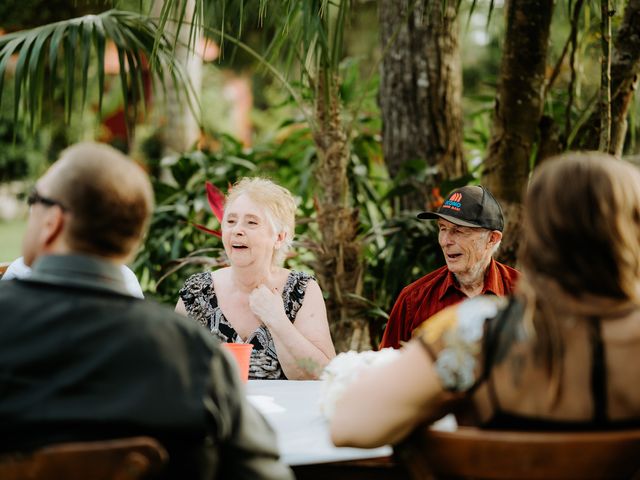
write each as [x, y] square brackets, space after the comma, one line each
[11, 233]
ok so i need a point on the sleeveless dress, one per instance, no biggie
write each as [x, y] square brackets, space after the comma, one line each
[471, 341]
[201, 302]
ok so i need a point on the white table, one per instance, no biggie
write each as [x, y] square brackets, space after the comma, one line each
[292, 409]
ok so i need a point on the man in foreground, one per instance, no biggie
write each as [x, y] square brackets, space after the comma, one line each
[81, 359]
[470, 225]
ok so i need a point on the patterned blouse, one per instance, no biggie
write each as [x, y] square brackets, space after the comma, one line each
[201, 302]
[454, 339]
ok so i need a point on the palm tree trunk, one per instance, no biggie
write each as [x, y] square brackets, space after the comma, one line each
[421, 90]
[339, 261]
[517, 112]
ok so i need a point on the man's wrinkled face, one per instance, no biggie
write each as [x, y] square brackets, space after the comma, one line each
[467, 250]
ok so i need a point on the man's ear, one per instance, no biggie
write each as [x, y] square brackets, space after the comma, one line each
[495, 237]
[53, 226]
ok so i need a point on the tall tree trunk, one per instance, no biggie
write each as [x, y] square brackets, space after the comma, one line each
[339, 261]
[517, 112]
[625, 68]
[421, 89]
[605, 78]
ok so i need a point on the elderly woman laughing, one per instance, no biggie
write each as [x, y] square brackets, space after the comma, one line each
[255, 300]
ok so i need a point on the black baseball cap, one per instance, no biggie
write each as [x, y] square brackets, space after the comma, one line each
[470, 206]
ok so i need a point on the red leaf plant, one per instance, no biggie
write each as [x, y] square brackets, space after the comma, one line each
[216, 202]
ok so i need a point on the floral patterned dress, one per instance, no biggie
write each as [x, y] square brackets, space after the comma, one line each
[201, 302]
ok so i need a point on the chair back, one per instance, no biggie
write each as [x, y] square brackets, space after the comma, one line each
[121, 459]
[490, 454]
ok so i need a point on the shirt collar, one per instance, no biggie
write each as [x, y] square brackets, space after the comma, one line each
[492, 282]
[79, 271]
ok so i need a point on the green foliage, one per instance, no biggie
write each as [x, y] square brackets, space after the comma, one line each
[13, 158]
[304, 37]
[57, 57]
[23, 14]
[11, 233]
[23, 156]
[26, 155]
[399, 248]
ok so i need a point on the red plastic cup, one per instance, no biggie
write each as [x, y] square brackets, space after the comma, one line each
[241, 352]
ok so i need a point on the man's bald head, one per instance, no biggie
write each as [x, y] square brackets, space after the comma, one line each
[107, 196]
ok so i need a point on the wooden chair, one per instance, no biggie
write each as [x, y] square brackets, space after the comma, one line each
[384, 468]
[122, 459]
[486, 454]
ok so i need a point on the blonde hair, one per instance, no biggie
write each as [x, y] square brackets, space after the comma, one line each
[279, 206]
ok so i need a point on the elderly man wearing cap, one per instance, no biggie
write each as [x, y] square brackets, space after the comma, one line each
[470, 227]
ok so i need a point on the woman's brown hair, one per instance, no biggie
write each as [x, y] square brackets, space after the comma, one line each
[582, 225]
[580, 252]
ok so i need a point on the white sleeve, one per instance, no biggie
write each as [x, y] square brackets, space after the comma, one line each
[133, 285]
[17, 269]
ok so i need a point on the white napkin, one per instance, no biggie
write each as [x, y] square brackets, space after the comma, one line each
[265, 404]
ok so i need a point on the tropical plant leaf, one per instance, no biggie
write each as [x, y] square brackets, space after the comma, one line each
[204, 229]
[216, 200]
[310, 27]
[79, 43]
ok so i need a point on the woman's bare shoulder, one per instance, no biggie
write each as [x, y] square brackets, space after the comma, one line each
[220, 278]
[282, 275]
[221, 273]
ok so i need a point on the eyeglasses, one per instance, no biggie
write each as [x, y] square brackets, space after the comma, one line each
[34, 197]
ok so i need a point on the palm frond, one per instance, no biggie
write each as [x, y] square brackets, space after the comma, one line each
[295, 29]
[52, 58]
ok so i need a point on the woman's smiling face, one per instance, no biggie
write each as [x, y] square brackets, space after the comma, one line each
[248, 233]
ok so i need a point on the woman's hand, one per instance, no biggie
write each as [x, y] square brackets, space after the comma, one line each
[267, 305]
[304, 348]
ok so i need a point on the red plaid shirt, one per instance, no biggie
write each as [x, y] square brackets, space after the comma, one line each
[433, 292]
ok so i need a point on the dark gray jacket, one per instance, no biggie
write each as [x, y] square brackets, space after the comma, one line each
[80, 359]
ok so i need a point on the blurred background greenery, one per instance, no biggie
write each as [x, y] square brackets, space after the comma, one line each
[11, 232]
[251, 125]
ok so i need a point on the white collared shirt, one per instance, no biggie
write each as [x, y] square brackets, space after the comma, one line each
[18, 269]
